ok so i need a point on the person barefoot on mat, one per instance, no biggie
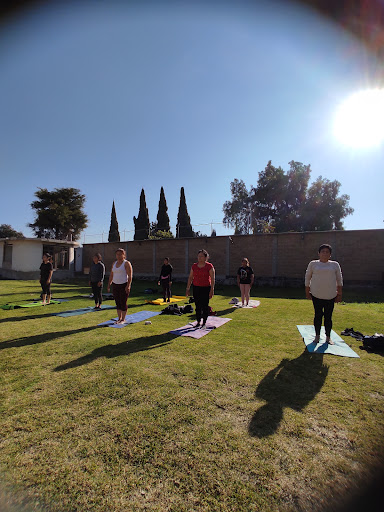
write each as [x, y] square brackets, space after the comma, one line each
[202, 276]
[46, 271]
[245, 278]
[96, 278]
[166, 279]
[121, 278]
[324, 285]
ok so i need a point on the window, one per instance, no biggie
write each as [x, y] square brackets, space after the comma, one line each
[7, 254]
[60, 257]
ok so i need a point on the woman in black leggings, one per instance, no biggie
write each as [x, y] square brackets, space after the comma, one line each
[202, 276]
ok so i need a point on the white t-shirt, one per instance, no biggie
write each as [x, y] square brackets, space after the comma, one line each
[323, 279]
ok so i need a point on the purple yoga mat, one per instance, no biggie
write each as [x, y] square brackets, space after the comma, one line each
[213, 322]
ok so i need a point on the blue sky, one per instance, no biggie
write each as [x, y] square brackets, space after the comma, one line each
[111, 97]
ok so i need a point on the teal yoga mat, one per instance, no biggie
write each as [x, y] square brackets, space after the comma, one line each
[340, 348]
[130, 319]
[82, 311]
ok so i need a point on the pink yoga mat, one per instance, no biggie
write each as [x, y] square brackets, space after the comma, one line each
[213, 322]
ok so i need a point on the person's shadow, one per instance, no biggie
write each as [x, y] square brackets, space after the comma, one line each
[293, 383]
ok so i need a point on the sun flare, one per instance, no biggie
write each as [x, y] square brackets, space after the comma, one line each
[359, 120]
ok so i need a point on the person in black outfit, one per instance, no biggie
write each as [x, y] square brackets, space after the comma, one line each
[166, 279]
[46, 271]
[96, 278]
[245, 278]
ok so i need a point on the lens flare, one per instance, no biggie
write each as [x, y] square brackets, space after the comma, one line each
[359, 120]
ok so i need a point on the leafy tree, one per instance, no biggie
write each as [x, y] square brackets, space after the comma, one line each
[59, 214]
[162, 215]
[324, 209]
[161, 235]
[142, 220]
[114, 235]
[283, 202]
[184, 227]
[7, 231]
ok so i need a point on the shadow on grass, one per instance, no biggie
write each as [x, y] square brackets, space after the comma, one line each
[122, 349]
[293, 383]
[42, 338]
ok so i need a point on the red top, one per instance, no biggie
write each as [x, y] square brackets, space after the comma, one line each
[201, 276]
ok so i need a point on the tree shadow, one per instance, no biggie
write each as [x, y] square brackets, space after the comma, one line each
[293, 383]
[42, 338]
[124, 348]
[21, 318]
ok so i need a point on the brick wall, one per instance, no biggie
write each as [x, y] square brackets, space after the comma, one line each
[282, 255]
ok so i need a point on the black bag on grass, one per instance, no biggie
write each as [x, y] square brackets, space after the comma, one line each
[374, 343]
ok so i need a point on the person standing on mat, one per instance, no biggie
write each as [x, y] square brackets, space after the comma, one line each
[166, 279]
[245, 278]
[96, 278]
[324, 285]
[46, 271]
[121, 278]
[202, 276]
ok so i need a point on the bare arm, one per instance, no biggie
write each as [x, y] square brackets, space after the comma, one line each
[212, 276]
[50, 276]
[110, 279]
[252, 279]
[190, 279]
[129, 270]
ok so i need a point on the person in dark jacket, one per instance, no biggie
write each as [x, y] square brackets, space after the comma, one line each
[46, 271]
[166, 279]
[96, 278]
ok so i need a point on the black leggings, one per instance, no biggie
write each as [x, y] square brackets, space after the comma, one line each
[324, 308]
[46, 288]
[201, 296]
[97, 292]
[166, 288]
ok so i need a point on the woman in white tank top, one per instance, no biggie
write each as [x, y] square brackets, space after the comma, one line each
[121, 278]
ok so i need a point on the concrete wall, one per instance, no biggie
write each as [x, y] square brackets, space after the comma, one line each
[276, 258]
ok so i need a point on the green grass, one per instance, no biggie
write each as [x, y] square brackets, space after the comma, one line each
[138, 419]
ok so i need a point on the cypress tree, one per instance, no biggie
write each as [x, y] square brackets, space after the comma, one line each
[114, 235]
[162, 215]
[184, 227]
[142, 220]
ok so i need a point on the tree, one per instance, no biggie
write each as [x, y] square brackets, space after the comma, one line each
[162, 215]
[323, 209]
[7, 231]
[59, 214]
[213, 232]
[142, 220]
[184, 227]
[283, 202]
[114, 235]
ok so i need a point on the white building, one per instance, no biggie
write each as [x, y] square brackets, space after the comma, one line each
[20, 258]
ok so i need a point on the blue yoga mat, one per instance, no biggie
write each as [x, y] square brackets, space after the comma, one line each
[130, 319]
[82, 311]
[340, 348]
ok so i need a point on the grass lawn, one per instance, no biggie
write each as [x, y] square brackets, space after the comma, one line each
[137, 419]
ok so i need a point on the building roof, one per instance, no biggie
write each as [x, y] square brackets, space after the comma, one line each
[41, 240]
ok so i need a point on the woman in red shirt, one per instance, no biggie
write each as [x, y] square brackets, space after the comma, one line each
[202, 276]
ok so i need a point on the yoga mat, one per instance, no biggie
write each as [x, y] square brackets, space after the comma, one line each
[176, 298]
[82, 311]
[213, 322]
[339, 349]
[130, 319]
[31, 304]
[252, 304]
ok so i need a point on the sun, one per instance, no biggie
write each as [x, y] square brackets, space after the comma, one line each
[359, 120]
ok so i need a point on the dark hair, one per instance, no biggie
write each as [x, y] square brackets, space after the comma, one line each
[204, 252]
[120, 249]
[247, 260]
[98, 256]
[46, 254]
[325, 246]
[167, 259]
